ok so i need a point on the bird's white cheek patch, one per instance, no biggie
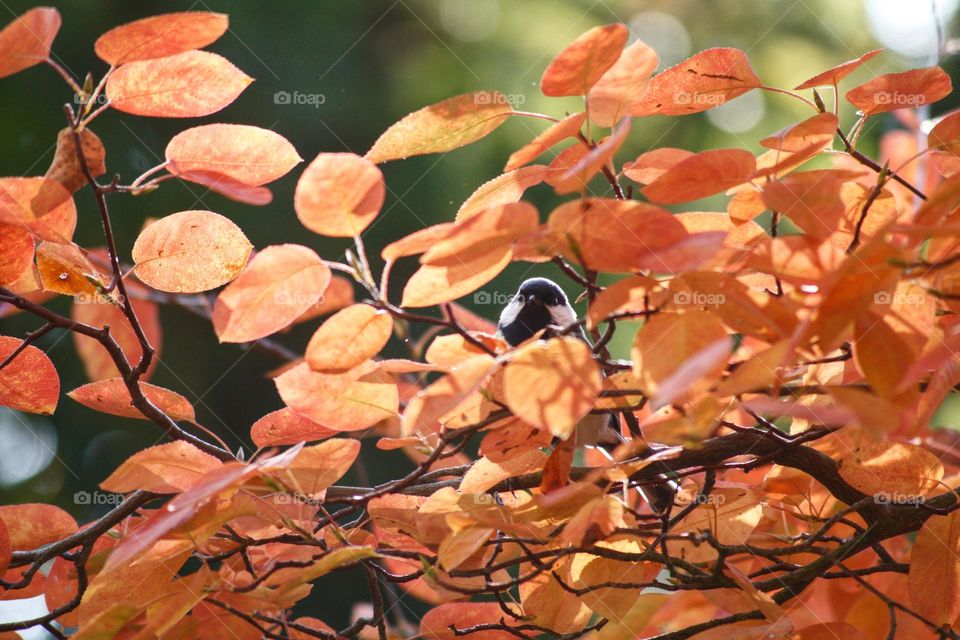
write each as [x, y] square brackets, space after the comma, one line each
[510, 313]
[562, 315]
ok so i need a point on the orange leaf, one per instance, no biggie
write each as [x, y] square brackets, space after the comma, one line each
[881, 353]
[190, 251]
[579, 174]
[34, 525]
[279, 284]
[339, 194]
[504, 189]
[21, 206]
[348, 338]
[247, 154]
[29, 382]
[594, 521]
[65, 169]
[285, 426]
[584, 61]
[552, 384]
[228, 187]
[165, 468]
[651, 165]
[629, 294]
[160, 36]
[619, 92]
[550, 136]
[906, 90]
[835, 74]
[706, 362]
[702, 174]
[484, 474]
[436, 623]
[891, 470]
[445, 396]
[318, 466]
[187, 85]
[339, 294]
[667, 341]
[111, 396]
[26, 41]
[443, 126]
[348, 401]
[706, 80]
[496, 225]
[16, 253]
[810, 199]
[614, 235]
[556, 472]
[64, 268]
[934, 577]
[436, 284]
[98, 311]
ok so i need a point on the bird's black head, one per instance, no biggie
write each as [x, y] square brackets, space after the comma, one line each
[537, 304]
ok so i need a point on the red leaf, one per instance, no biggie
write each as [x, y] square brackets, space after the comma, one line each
[187, 85]
[619, 92]
[284, 427]
[29, 382]
[160, 36]
[339, 194]
[550, 136]
[702, 175]
[835, 74]
[26, 41]
[584, 61]
[907, 90]
[111, 396]
[704, 81]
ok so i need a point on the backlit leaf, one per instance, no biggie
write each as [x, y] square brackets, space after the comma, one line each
[112, 396]
[906, 90]
[26, 41]
[164, 468]
[348, 338]
[891, 469]
[250, 155]
[584, 61]
[33, 525]
[64, 268]
[29, 382]
[160, 36]
[558, 131]
[187, 85]
[285, 426]
[190, 251]
[706, 80]
[619, 92]
[934, 577]
[443, 126]
[339, 194]
[278, 285]
[552, 384]
[835, 74]
[701, 175]
[668, 341]
[504, 189]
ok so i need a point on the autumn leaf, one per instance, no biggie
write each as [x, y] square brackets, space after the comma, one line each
[339, 194]
[16, 253]
[700, 175]
[706, 80]
[668, 341]
[278, 286]
[891, 469]
[99, 311]
[64, 268]
[810, 199]
[26, 41]
[441, 127]
[578, 175]
[190, 251]
[186, 85]
[906, 90]
[437, 621]
[348, 401]
[318, 466]
[33, 525]
[835, 74]
[552, 384]
[584, 61]
[66, 171]
[285, 426]
[112, 396]
[435, 284]
[429, 407]
[934, 570]
[348, 338]
[164, 468]
[29, 381]
[504, 189]
[246, 154]
[160, 36]
[620, 90]
[557, 132]
[21, 206]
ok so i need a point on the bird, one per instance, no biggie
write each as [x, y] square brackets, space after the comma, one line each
[540, 304]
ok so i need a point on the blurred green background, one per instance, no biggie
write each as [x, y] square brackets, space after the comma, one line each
[359, 66]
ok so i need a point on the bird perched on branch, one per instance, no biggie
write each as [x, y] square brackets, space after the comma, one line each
[541, 305]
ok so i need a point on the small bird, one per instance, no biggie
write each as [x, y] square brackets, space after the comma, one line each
[541, 304]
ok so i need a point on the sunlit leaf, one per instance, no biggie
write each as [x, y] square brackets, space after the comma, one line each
[26, 41]
[584, 61]
[160, 36]
[701, 175]
[190, 251]
[250, 155]
[339, 194]
[285, 426]
[348, 338]
[112, 396]
[164, 468]
[33, 525]
[906, 90]
[29, 382]
[558, 131]
[620, 90]
[835, 74]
